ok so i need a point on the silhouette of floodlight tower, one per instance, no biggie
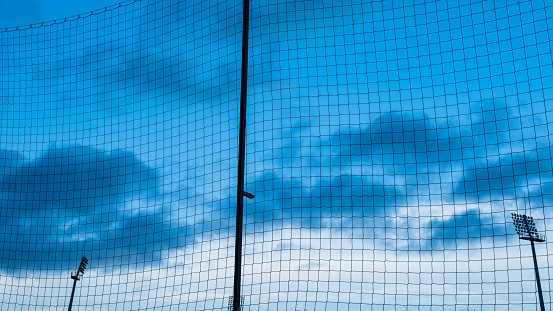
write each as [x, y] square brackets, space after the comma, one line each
[526, 229]
[76, 277]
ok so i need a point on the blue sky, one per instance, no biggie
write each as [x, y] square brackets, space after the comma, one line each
[388, 143]
[26, 12]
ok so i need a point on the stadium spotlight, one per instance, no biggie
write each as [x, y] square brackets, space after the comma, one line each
[231, 303]
[76, 277]
[526, 230]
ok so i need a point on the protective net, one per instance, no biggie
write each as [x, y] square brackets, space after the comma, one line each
[389, 143]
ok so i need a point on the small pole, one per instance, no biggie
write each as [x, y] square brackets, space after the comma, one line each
[72, 293]
[537, 272]
[77, 276]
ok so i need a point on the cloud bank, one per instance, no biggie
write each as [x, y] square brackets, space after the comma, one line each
[81, 201]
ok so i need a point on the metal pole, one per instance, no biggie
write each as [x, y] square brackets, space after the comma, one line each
[72, 294]
[241, 158]
[540, 295]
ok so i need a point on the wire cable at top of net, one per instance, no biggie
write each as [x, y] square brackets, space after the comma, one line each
[70, 18]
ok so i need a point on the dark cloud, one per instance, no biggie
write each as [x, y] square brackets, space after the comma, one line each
[498, 178]
[328, 202]
[350, 177]
[76, 201]
[407, 132]
[409, 143]
[511, 159]
[513, 176]
[80, 178]
[151, 60]
[459, 231]
[176, 52]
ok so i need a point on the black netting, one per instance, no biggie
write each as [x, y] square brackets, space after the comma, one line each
[388, 144]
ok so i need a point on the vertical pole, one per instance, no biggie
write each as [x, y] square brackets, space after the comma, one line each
[542, 304]
[536, 271]
[72, 294]
[241, 158]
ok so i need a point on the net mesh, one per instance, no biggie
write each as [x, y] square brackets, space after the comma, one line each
[388, 144]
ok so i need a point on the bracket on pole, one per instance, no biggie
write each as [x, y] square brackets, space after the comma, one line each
[248, 195]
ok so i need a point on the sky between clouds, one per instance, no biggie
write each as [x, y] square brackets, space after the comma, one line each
[378, 132]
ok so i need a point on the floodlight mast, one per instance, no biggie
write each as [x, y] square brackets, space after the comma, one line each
[526, 229]
[77, 276]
